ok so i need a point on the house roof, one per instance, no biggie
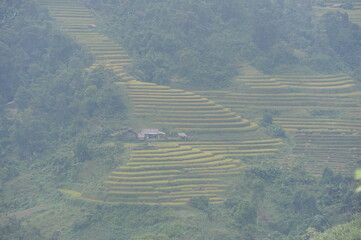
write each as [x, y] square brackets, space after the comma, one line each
[146, 131]
[182, 135]
[149, 131]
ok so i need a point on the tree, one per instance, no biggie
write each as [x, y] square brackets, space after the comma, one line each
[22, 97]
[304, 203]
[30, 135]
[200, 203]
[267, 119]
[245, 213]
[276, 131]
[82, 151]
[344, 37]
[11, 228]
[328, 176]
[348, 231]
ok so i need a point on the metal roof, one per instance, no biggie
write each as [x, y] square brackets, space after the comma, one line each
[149, 131]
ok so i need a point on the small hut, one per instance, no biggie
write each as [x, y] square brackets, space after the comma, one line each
[126, 133]
[337, 5]
[151, 134]
[182, 136]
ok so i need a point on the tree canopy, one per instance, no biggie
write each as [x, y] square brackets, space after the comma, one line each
[206, 42]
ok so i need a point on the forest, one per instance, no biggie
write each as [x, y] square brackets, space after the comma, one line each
[268, 93]
[206, 42]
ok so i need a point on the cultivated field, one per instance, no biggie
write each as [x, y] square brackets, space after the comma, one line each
[323, 106]
[336, 150]
[320, 113]
[354, 14]
[166, 173]
[182, 110]
[80, 23]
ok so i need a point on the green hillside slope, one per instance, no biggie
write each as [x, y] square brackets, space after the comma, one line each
[265, 157]
[168, 108]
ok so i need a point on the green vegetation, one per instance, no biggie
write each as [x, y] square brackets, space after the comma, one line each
[53, 120]
[29, 47]
[69, 90]
[349, 231]
[206, 42]
[14, 229]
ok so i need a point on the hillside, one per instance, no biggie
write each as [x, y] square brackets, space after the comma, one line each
[267, 156]
[206, 43]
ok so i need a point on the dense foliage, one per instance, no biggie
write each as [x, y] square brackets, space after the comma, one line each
[206, 42]
[49, 103]
[29, 46]
[349, 231]
[286, 204]
[14, 229]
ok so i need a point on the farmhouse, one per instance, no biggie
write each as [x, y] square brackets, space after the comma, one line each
[151, 134]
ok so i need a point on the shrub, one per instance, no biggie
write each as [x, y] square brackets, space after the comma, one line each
[267, 119]
[246, 213]
[82, 151]
[304, 203]
[200, 202]
[276, 131]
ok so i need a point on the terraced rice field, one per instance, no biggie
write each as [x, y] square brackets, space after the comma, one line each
[296, 99]
[319, 124]
[255, 93]
[238, 149]
[283, 101]
[167, 173]
[315, 84]
[337, 150]
[170, 174]
[182, 110]
[80, 23]
[354, 14]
